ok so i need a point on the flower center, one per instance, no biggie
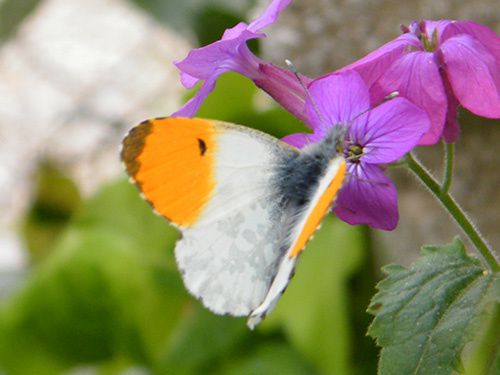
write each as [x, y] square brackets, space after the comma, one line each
[429, 44]
[354, 153]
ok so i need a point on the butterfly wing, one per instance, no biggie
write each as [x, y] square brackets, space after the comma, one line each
[218, 183]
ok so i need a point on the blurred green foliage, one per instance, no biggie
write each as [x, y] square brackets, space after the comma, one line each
[56, 197]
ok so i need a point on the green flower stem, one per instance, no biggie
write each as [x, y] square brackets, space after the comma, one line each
[453, 209]
[449, 149]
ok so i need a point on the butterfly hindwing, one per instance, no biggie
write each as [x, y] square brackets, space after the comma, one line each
[216, 182]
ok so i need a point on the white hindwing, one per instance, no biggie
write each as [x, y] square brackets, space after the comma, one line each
[231, 255]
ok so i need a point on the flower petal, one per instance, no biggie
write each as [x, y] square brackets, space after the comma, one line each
[416, 77]
[338, 97]
[372, 66]
[270, 15]
[284, 87]
[486, 36]
[368, 197]
[229, 54]
[190, 108]
[474, 75]
[234, 32]
[439, 26]
[390, 130]
[188, 81]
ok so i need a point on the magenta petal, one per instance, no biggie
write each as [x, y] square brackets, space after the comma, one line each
[486, 36]
[439, 26]
[339, 99]
[270, 15]
[474, 75]
[229, 54]
[235, 31]
[416, 77]
[284, 87]
[372, 66]
[190, 108]
[368, 197]
[390, 130]
[188, 81]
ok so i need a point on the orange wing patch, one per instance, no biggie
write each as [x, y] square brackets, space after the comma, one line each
[172, 162]
[319, 211]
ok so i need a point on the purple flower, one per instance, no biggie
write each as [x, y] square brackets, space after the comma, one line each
[374, 137]
[231, 53]
[438, 65]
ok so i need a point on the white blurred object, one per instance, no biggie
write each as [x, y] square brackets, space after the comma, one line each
[74, 78]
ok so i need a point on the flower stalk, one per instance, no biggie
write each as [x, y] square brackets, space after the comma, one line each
[441, 192]
[449, 152]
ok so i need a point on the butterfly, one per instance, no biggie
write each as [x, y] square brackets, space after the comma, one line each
[246, 204]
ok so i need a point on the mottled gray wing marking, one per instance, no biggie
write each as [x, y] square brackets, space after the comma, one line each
[231, 263]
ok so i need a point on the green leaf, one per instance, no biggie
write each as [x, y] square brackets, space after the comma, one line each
[426, 314]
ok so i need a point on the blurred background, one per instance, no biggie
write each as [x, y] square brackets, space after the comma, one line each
[88, 282]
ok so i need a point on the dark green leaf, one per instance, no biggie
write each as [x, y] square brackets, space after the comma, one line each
[426, 314]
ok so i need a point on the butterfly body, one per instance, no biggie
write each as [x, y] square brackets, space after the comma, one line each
[246, 204]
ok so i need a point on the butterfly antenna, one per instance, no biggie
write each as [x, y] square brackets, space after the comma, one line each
[392, 95]
[294, 70]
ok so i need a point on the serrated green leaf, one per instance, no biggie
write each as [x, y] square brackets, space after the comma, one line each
[426, 314]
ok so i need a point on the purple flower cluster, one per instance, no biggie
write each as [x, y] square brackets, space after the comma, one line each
[435, 66]
[438, 65]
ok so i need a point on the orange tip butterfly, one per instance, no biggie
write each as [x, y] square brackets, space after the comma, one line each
[245, 202]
